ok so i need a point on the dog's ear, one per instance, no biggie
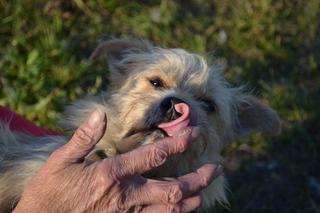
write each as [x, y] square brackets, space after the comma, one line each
[254, 116]
[115, 52]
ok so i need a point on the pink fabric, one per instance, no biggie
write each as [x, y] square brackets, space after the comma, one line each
[20, 124]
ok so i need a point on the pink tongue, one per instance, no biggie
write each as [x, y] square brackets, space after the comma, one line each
[186, 119]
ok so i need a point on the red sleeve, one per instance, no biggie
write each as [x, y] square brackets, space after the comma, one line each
[18, 123]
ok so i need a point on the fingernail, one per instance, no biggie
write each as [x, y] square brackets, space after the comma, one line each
[96, 118]
[195, 132]
[218, 170]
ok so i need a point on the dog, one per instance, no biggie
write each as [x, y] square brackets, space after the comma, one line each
[151, 91]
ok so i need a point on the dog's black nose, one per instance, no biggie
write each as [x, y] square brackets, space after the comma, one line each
[168, 110]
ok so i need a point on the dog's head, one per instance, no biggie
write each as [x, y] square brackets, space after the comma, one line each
[155, 92]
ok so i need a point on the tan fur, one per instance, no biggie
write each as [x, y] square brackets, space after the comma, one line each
[131, 105]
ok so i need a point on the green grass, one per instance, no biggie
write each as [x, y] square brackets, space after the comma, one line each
[272, 46]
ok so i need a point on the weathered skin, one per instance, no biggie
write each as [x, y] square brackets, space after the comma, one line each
[67, 183]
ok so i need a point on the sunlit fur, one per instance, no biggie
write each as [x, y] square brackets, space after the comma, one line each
[130, 104]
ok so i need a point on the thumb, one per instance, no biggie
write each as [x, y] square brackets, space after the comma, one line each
[84, 139]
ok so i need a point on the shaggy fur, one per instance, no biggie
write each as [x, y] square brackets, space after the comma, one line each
[132, 105]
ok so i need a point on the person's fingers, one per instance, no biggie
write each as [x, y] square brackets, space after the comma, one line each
[151, 156]
[84, 139]
[173, 190]
[155, 192]
[187, 205]
[196, 181]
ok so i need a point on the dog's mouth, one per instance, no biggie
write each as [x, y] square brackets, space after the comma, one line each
[169, 128]
[186, 119]
[135, 137]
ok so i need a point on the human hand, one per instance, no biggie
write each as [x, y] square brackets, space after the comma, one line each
[68, 183]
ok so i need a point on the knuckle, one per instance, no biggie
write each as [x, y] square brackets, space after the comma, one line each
[174, 194]
[181, 145]
[157, 156]
[83, 135]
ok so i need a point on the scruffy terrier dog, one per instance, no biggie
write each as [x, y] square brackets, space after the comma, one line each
[152, 91]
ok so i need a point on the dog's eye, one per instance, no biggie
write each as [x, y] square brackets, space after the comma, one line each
[156, 82]
[209, 105]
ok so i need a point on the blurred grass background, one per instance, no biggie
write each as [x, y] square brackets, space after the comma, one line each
[272, 46]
